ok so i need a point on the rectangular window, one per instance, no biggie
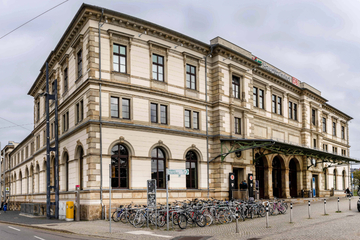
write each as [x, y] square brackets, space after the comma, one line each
[342, 132]
[154, 113]
[279, 106]
[38, 111]
[66, 122]
[325, 148]
[163, 114]
[158, 67]
[195, 120]
[334, 129]
[261, 99]
[190, 76]
[79, 111]
[236, 86]
[53, 87]
[51, 131]
[119, 58]
[290, 110]
[114, 106]
[187, 118]
[26, 152]
[295, 112]
[37, 143]
[238, 125]
[44, 138]
[324, 124]
[79, 64]
[32, 148]
[66, 80]
[255, 97]
[314, 143]
[313, 117]
[273, 98]
[125, 108]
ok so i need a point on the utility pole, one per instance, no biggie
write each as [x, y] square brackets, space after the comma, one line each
[0, 176]
[50, 149]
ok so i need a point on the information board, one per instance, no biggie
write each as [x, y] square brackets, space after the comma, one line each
[151, 193]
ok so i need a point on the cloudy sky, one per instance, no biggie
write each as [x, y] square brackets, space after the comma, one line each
[314, 41]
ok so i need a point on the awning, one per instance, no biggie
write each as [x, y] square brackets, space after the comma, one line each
[280, 147]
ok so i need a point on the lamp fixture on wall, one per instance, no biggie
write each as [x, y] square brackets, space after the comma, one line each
[179, 45]
[142, 33]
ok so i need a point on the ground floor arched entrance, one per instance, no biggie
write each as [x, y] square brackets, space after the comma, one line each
[293, 178]
[277, 182]
[260, 176]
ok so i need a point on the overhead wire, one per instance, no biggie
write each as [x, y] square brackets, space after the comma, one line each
[14, 123]
[33, 19]
[17, 126]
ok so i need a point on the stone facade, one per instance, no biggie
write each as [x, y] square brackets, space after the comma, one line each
[83, 163]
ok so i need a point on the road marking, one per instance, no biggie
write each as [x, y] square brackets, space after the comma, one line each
[14, 228]
[149, 234]
[39, 238]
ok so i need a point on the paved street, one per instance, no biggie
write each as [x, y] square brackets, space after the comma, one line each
[13, 232]
[343, 225]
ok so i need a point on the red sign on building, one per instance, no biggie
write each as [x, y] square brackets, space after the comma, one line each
[295, 81]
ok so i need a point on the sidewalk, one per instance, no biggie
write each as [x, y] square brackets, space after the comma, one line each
[318, 225]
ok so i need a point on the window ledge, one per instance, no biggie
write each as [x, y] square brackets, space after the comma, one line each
[78, 79]
[121, 77]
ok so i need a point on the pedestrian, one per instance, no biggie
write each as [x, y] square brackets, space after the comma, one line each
[245, 185]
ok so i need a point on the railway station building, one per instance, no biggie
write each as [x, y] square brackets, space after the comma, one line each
[167, 100]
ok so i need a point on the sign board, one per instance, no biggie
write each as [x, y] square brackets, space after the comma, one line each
[231, 185]
[178, 171]
[7, 189]
[250, 185]
[151, 193]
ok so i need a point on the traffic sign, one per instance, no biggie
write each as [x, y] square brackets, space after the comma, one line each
[7, 189]
[178, 171]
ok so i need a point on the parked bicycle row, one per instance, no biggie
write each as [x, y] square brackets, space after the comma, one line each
[196, 212]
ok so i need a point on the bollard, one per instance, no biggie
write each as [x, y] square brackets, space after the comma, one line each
[309, 209]
[324, 206]
[237, 225]
[291, 213]
[172, 220]
[349, 203]
[338, 205]
[267, 216]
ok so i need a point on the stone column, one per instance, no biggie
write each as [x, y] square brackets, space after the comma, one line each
[286, 187]
[268, 182]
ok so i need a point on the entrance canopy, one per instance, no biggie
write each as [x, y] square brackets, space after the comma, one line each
[280, 147]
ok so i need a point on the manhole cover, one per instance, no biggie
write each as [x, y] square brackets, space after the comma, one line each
[253, 238]
[350, 215]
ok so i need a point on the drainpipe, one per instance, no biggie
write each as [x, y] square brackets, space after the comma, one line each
[207, 127]
[100, 121]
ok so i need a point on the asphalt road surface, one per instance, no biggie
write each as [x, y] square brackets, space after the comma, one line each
[13, 232]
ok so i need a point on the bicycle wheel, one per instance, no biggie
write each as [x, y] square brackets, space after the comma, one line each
[221, 217]
[124, 217]
[182, 221]
[131, 218]
[116, 216]
[139, 220]
[200, 220]
[161, 220]
[175, 219]
[209, 219]
[262, 211]
[228, 216]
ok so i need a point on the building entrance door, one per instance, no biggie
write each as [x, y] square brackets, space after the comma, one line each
[239, 177]
[260, 172]
[276, 178]
[315, 186]
[293, 178]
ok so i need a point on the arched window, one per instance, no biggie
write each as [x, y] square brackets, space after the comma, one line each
[191, 165]
[80, 156]
[66, 160]
[20, 179]
[325, 178]
[158, 167]
[38, 178]
[27, 180]
[335, 179]
[119, 167]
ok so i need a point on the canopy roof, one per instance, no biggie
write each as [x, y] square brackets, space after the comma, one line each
[280, 147]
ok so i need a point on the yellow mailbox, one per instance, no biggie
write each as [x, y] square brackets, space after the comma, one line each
[69, 211]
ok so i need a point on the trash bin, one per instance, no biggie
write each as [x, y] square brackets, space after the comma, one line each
[69, 211]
